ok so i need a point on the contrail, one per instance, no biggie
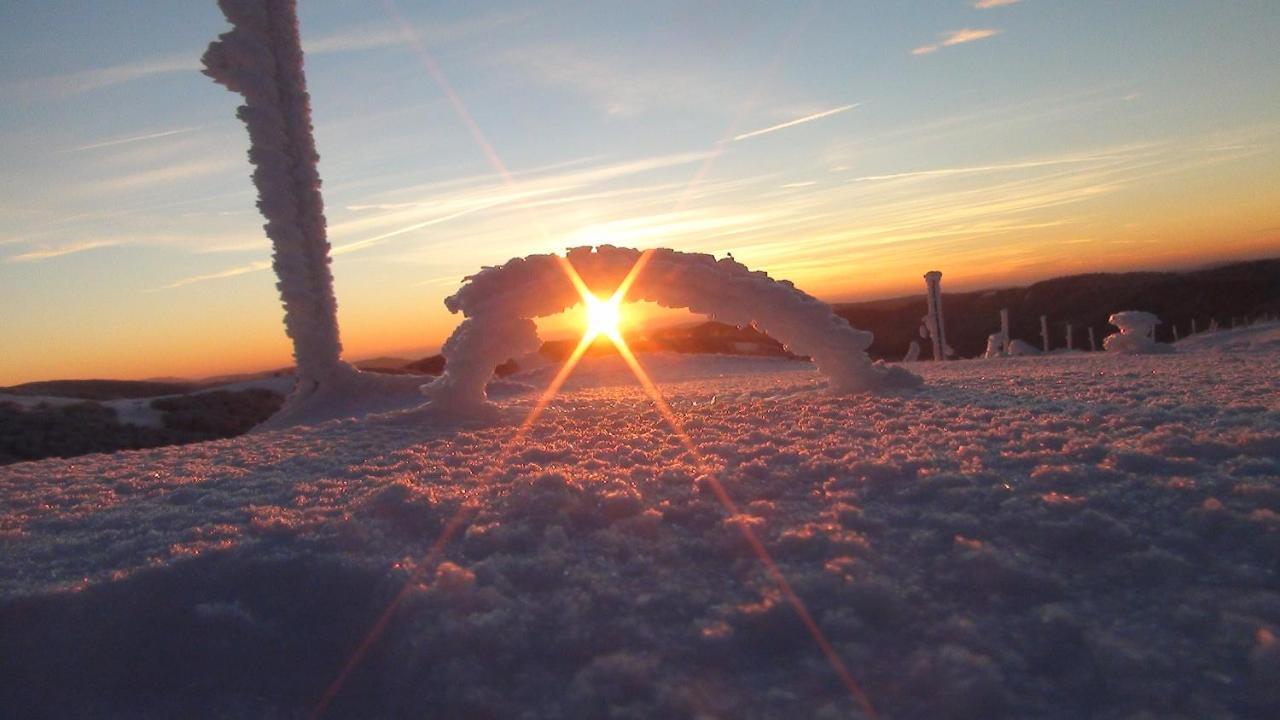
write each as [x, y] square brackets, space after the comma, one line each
[797, 121]
[135, 138]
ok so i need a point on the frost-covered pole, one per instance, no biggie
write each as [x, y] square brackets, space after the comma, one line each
[1004, 329]
[1093, 343]
[1193, 326]
[1069, 343]
[933, 284]
[1175, 333]
[1044, 332]
[261, 58]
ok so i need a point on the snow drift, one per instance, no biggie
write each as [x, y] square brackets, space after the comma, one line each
[498, 303]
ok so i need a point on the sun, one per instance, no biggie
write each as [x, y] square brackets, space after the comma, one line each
[604, 317]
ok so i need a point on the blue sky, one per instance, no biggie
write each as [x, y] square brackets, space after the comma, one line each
[847, 146]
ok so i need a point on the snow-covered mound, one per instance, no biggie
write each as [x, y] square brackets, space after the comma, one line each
[1263, 337]
[1058, 537]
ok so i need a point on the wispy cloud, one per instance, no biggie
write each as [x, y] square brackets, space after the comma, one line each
[793, 123]
[492, 195]
[987, 4]
[60, 251]
[615, 84]
[1000, 167]
[133, 139]
[231, 272]
[57, 86]
[957, 37]
[366, 37]
[166, 174]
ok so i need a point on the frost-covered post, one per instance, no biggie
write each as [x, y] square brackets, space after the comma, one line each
[933, 284]
[1093, 343]
[1044, 332]
[261, 58]
[1175, 333]
[1004, 329]
[913, 352]
[1193, 326]
[1069, 343]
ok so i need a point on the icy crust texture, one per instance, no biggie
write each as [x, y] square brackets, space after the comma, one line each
[498, 301]
[1136, 336]
[261, 58]
[1076, 536]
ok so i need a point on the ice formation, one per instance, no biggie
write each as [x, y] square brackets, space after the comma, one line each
[996, 344]
[1137, 334]
[933, 321]
[1019, 348]
[261, 58]
[498, 303]
[913, 352]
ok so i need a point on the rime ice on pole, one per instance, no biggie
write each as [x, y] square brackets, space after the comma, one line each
[933, 321]
[1136, 336]
[261, 58]
[499, 302]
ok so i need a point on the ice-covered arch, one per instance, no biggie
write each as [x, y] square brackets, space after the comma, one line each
[500, 302]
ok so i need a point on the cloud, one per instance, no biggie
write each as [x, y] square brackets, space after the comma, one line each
[987, 4]
[57, 86]
[616, 84]
[165, 175]
[491, 196]
[53, 252]
[365, 37]
[999, 167]
[793, 123]
[957, 37]
[231, 272]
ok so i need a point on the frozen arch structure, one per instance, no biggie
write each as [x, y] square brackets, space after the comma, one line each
[500, 302]
[1136, 336]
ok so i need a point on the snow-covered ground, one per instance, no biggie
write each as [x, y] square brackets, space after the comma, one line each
[1068, 536]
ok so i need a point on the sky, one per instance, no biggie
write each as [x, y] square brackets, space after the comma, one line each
[847, 146]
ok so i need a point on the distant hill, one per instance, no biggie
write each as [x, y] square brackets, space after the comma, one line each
[103, 389]
[1238, 290]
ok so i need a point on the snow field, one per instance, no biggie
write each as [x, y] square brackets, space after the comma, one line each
[1065, 536]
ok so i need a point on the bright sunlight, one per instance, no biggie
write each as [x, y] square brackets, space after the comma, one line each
[604, 317]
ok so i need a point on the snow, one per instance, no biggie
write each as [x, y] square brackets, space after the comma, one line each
[1077, 535]
[1137, 334]
[138, 411]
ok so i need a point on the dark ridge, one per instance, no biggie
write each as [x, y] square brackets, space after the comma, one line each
[1237, 292]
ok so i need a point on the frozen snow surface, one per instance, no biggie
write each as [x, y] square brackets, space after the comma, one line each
[1084, 535]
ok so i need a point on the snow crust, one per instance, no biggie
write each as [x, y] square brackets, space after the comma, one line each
[1083, 535]
[498, 302]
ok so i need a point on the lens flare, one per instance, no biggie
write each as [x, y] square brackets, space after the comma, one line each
[604, 317]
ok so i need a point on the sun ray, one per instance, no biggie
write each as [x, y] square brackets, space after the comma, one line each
[757, 546]
[707, 471]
